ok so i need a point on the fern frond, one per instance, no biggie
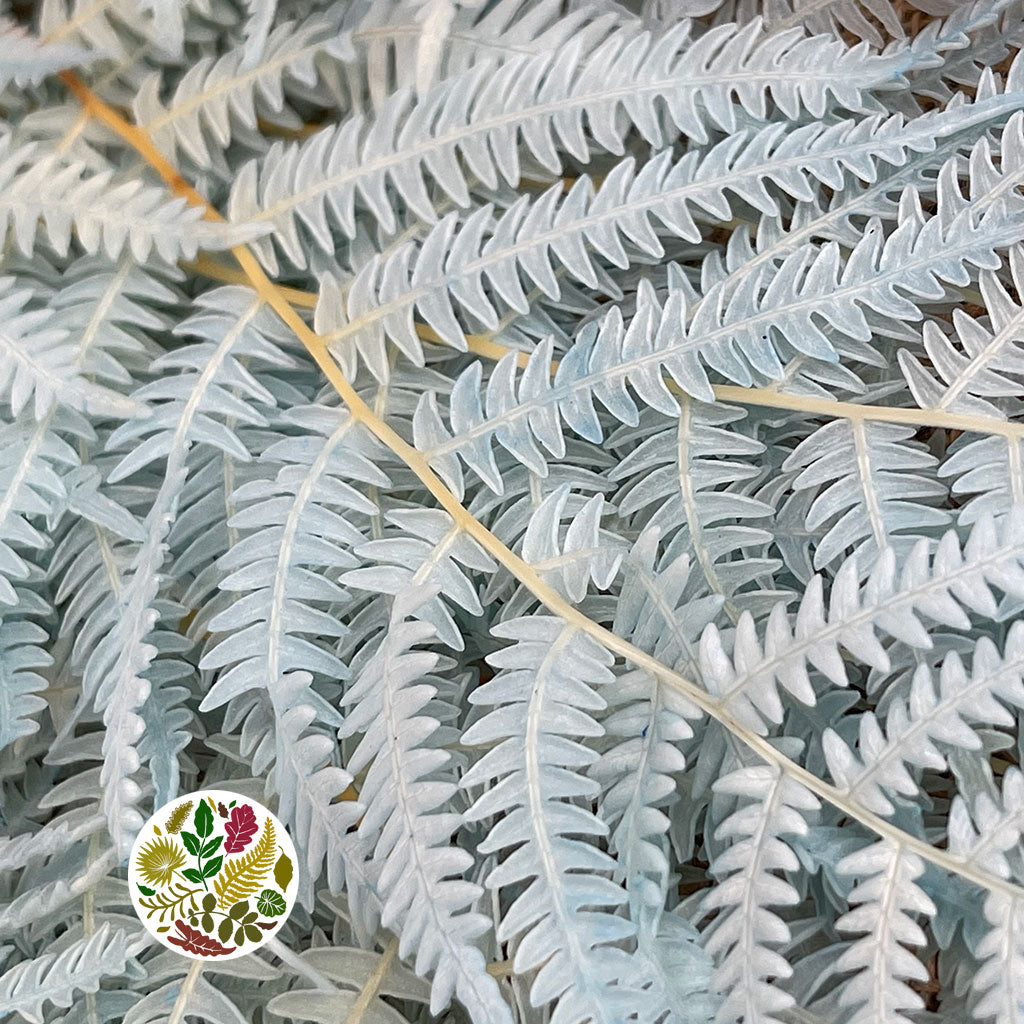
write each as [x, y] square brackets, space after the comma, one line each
[479, 115]
[293, 540]
[870, 485]
[890, 901]
[38, 363]
[745, 930]
[36, 186]
[57, 977]
[685, 480]
[562, 918]
[407, 793]
[942, 582]
[389, 36]
[989, 361]
[21, 652]
[987, 834]
[921, 727]
[220, 95]
[27, 60]
[424, 548]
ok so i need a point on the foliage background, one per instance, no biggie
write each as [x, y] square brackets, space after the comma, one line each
[565, 457]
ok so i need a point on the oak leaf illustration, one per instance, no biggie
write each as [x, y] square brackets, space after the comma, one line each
[240, 828]
[192, 940]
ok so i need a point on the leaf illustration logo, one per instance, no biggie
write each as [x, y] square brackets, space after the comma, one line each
[212, 874]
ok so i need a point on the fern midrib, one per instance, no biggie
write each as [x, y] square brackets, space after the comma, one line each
[669, 615]
[82, 16]
[275, 624]
[438, 552]
[750, 904]
[522, 115]
[872, 506]
[554, 877]
[17, 480]
[884, 940]
[694, 520]
[315, 345]
[405, 800]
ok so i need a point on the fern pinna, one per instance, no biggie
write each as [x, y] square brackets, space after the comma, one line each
[565, 457]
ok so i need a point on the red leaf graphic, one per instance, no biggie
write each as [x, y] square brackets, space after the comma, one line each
[240, 828]
[194, 941]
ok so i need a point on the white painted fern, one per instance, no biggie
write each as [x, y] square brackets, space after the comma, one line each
[567, 456]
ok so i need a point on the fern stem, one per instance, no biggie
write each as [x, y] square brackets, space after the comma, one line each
[298, 965]
[373, 983]
[177, 1014]
[527, 575]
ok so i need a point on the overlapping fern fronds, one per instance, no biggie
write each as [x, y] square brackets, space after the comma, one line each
[567, 458]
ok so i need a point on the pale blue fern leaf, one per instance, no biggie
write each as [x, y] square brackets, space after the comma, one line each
[482, 113]
[562, 917]
[941, 582]
[746, 934]
[981, 363]
[870, 486]
[26, 59]
[986, 834]
[888, 903]
[222, 96]
[38, 188]
[424, 547]
[56, 977]
[406, 796]
[921, 727]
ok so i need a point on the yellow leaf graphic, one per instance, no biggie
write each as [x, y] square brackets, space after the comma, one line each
[242, 876]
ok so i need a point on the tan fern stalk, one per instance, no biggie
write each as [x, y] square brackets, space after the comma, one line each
[241, 877]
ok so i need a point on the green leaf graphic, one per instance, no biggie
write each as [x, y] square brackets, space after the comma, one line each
[271, 903]
[283, 872]
[191, 842]
[192, 875]
[145, 890]
[203, 820]
[211, 847]
[211, 867]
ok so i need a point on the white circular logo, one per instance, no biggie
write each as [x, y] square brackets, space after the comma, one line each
[213, 874]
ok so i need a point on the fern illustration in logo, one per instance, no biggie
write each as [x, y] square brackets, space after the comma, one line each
[221, 883]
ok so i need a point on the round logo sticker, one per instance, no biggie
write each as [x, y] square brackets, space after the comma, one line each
[212, 874]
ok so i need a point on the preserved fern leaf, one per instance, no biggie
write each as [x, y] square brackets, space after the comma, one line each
[26, 987]
[567, 457]
[420, 876]
[104, 216]
[27, 60]
[477, 115]
[746, 929]
[889, 901]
